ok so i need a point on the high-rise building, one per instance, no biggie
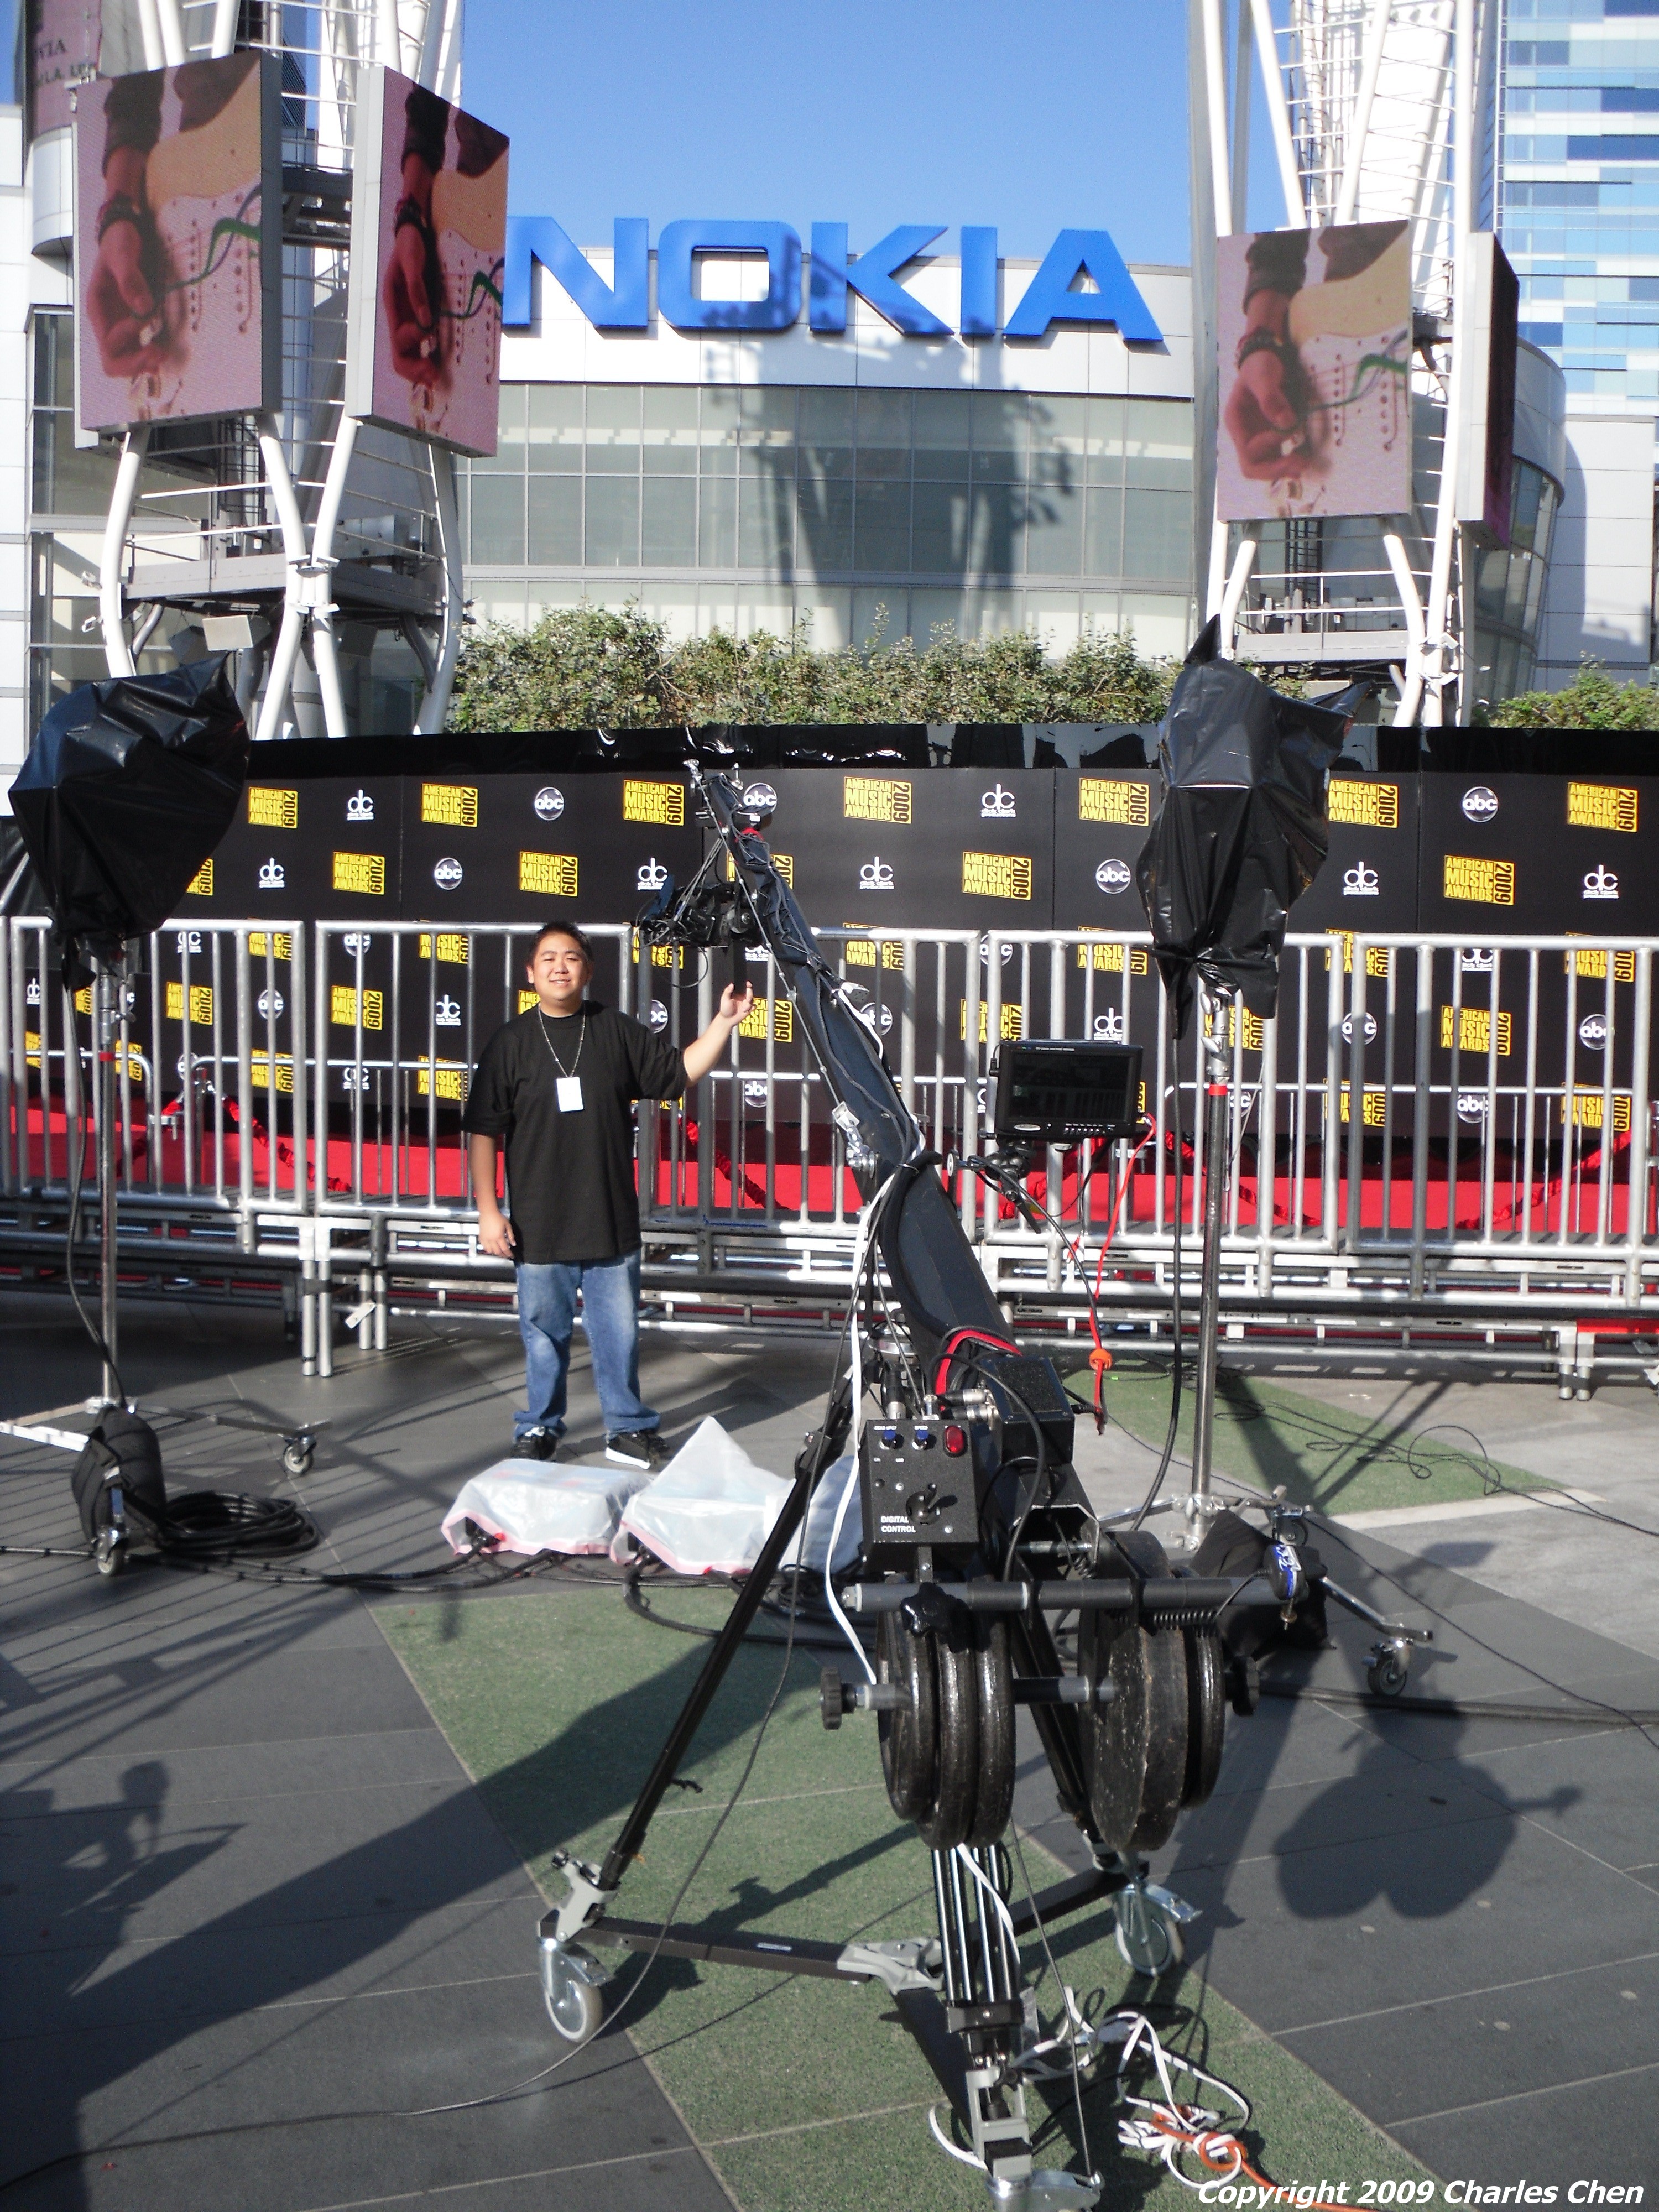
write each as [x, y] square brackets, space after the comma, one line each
[1577, 173]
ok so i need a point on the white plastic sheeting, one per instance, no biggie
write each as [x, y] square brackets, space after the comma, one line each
[530, 1508]
[710, 1510]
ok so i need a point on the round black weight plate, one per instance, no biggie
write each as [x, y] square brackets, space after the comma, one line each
[994, 1800]
[954, 1804]
[1115, 1734]
[910, 1737]
[1207, 1715]
[1165, 1654]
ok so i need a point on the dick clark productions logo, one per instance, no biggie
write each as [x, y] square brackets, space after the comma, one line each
[876, 876]
[996, 805]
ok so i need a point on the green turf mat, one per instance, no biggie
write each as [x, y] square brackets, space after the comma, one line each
[807, 2095]
[1330, 1456]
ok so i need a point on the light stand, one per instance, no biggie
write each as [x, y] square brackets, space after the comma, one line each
[112, 1003]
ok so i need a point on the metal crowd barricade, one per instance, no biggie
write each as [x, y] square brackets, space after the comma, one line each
[1497, 1160]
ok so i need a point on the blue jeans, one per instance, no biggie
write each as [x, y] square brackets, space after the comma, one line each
[611, 1315]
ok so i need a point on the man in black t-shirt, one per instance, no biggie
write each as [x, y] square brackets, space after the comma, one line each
[559, 1085]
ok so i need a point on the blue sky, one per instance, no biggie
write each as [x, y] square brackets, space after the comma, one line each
[1033, 117]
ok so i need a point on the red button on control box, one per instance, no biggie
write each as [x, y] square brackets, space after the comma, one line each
[956, 1440]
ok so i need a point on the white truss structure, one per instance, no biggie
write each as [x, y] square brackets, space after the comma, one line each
[309, 479]
[1380, 111]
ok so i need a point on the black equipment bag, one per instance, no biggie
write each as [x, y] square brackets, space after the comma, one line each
[122, 1450]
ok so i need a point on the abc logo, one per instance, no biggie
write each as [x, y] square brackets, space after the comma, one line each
[1472, 1105]
[1479, 803]
[270, 1004]
[1113, 876]
[447, 875]
[753, 1092]
[761, 797]
[548, 802]
[1369, 1026]
[1593, 1032]
[657, 1016]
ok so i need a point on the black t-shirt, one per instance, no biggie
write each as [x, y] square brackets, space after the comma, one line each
[571, 1175]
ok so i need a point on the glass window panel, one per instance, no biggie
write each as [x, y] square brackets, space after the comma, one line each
[612, 535]
[776, 463]
[824, 508]
[1157, 535]
[509, 432]
[1053, 529]
[998, 530]
[613, 429]
[999, 437]
[556, 521]
[882, 526]
[1059, 423]
[826, 416]
[717, 521]
[40, 488]
[1158, 442]
[766, 518]
[942, 516]
[553, 435]
[669, 514]
[769, 414]
[1104, 447]
[497, 519]
[943, 436]
[718, 435]
[671, 429]
[63, 361]
[45, 347]
[884, 435]
[1160, 625]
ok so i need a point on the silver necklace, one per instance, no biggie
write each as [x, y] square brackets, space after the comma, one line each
[581, 1039]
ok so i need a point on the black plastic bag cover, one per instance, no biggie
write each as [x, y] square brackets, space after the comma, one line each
[128, 788]
[1243, 830]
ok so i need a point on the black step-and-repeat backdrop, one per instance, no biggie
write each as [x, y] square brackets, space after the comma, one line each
[943, 849]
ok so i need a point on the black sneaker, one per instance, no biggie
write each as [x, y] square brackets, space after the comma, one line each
[536, 1443]
[642, 1449]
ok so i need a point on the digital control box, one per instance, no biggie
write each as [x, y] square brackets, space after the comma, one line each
[917, 1486]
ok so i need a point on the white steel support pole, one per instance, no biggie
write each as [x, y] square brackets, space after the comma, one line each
[1243, 86]
[1406, 584]
[149, 32]
[1376, 31]
[434, 707]
[388, 49]
[292, 525]
[123, 495]
[1278, 114]
[318, 571]
[1233, 598]
[1439, 656]
[172, 23]
[225, 13]
[1215, 83]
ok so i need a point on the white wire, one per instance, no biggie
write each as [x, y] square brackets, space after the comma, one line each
[867, 1230]
[990, 1889]
[945, 2144]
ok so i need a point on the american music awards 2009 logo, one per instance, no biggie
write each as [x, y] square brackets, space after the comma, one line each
[876, 876]
[996, 805]
[1113, 877]
[1361, 882]
[1601, 883]
[1480, 803]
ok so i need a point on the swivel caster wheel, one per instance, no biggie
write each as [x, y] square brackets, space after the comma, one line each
[1386, 1676]
[575, 2002]
[1149, 1937]
[297, 1456]
[109, 1554]
[576, 2009]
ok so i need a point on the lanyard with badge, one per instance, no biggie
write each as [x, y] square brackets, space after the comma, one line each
[567, 1088]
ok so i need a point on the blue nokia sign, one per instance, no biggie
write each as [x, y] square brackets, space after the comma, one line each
[1076, 256]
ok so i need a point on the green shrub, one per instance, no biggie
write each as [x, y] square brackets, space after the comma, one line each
[1591, 701]
[584, 667]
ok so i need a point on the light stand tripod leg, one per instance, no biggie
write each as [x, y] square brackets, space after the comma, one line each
[106, 1000]
[1216, 1148]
